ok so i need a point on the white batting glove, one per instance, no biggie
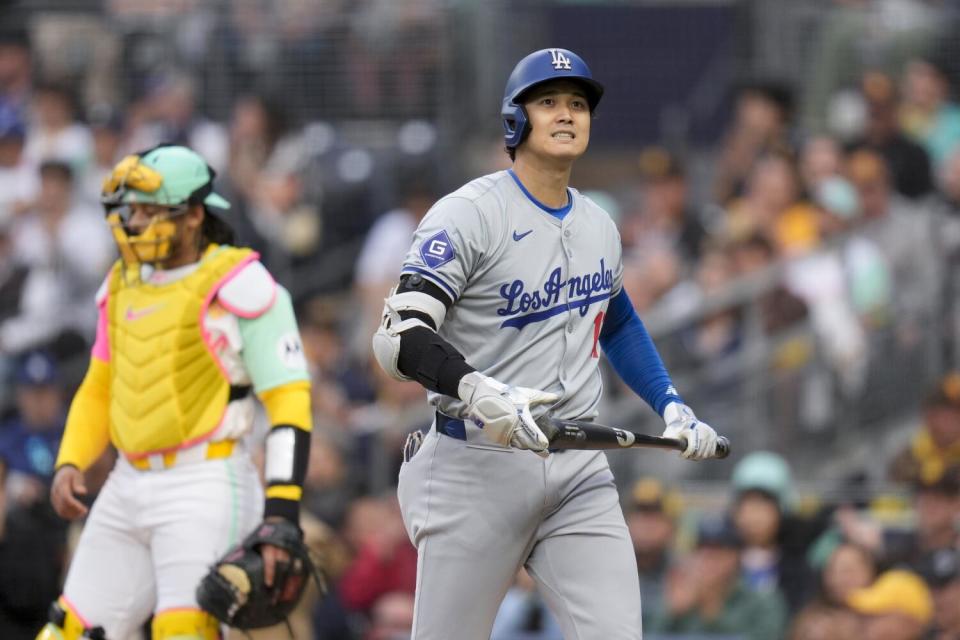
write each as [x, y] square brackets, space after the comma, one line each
[503, 412]
[681, 423]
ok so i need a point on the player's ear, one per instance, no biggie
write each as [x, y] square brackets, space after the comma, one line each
[193, 218]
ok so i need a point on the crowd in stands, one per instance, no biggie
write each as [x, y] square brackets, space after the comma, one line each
[847, 228]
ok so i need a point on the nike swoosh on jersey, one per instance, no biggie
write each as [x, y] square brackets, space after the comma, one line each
[135, 314]
[520, 236]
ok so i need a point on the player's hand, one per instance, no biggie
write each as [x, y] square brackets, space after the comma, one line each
[503, 412]
[681, 423]
[274, 559]
[68, 483]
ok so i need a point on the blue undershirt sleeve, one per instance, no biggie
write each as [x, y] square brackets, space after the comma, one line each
[631, 351]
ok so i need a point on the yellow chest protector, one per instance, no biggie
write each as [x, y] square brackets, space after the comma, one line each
[167, 388]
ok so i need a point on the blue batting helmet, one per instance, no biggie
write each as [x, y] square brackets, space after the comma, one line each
[539, 67]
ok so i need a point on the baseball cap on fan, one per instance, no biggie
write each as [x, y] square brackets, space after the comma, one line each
[940, 567]
[185, 175]
[11, 124]
[37, 369]
[895, 592]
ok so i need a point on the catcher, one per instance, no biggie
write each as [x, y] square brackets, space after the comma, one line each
[190, 329]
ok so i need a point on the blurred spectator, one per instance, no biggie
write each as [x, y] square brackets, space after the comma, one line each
[325, 614]
[666, 216]
[908, 162]
[856, 35]
[651, 517]
[32, 560]
[257, 130]
[385, 560]
[779, 308]
[69, 238]
[330, 369]
[896, 227]
[16, 65]
[846, 569]
[29, 440]
[821, 158]
[524, 614]
[947, 201]
[719, 334]
[329, 485]
[391, 617]
[941, 570]
[55, 134]
[825, 623]
[705, 594]
[937, 511]
[27, 296]
[771, 205]
[928, 114]
[868, 276]
[284, 210]
[167, 112]
[19, 183]
[107, 127]
[897, 606]
[13, 278]
[380, 428]
[936, 445]
[652, 276]
[774, 541]
[383, 252]
[761, 124]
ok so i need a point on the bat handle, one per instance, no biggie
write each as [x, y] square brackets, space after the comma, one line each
[722, 450]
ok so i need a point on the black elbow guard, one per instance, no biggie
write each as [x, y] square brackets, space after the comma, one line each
[431, 361]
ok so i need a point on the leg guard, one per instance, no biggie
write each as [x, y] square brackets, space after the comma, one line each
[185, 624]
[66, 625]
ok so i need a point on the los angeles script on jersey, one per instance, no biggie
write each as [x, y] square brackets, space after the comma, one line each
[544, 302]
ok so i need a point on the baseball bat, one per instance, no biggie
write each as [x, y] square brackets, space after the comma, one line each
[580, 434]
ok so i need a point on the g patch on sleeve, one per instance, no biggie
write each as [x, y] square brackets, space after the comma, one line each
[437, 250]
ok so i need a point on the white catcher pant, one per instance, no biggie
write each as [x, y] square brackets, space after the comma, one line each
[152, 535]
[477, 513]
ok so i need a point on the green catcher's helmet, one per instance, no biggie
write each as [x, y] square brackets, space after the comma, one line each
[167, 175]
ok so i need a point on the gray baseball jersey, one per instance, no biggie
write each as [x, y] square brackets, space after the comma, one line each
[530, 291]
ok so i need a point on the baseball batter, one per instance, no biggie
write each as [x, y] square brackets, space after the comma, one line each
[190, 329]
[510, 291]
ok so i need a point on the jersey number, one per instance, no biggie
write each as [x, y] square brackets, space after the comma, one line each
[597, 324]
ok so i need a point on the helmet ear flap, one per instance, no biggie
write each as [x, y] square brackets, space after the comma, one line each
[516, 125]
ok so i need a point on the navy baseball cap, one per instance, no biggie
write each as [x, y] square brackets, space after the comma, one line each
[718, 532]
[37, 368]
[11, 124]
[940, 567]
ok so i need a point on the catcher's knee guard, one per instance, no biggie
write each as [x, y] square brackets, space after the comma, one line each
[185, 624]
[66, 625]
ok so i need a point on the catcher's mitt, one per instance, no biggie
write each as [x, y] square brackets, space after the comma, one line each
[234, 591]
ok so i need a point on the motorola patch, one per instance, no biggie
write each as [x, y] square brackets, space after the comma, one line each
[437, 250]
[290, 351]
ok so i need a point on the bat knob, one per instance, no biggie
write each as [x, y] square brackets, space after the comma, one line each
[723, 447]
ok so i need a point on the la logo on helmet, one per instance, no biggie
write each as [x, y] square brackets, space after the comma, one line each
[558, 60]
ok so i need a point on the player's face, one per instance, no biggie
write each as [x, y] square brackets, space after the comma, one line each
[187, 220]
[559, 116]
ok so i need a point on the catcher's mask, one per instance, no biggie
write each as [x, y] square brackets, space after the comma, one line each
[168, 176]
